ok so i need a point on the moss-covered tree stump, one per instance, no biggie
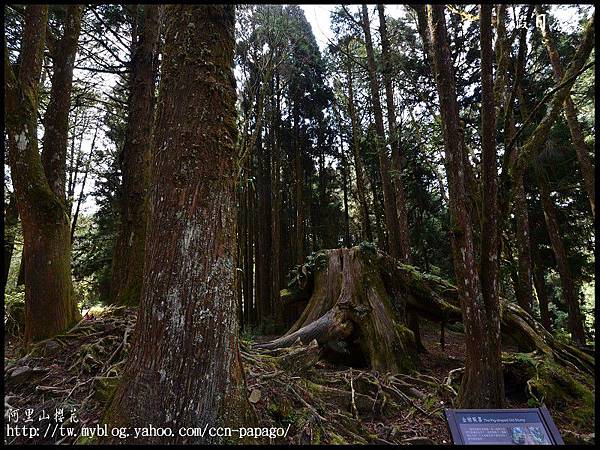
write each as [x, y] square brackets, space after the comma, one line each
[358, 299]
[350, 311]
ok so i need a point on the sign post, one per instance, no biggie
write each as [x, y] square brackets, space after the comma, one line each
[531, 426]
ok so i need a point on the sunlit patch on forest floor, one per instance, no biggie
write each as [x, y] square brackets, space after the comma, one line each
[321, 402]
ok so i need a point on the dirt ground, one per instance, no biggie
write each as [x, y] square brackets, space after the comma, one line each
[76, 373]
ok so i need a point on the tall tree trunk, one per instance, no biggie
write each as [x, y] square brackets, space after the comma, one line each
[378, 208]
[276, 201]
[56, 119]
[11, 219]
[581, 148]
[541, 291]
[396, 144]
[524, 286]
[389, 202]
[345, 194]
[395, 141]
[81, 195]
[186, 337]
[490, 247]
[263, 235]
[250, 249]
[575, 319]
[128, 257]
[239, 268]
[358, 163]
[299, 189]
[482, 384]
[49, 304]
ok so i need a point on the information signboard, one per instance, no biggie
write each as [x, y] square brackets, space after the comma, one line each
[531, 426]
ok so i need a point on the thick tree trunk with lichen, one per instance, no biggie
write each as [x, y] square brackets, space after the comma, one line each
[186, 338]
[128, 258]
[49, 304]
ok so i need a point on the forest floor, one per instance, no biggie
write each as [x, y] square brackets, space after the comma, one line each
[320, 402]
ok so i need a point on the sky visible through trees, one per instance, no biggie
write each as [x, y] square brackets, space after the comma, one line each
[319, 18]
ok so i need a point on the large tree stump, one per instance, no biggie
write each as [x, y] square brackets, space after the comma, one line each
[351, 311]
[357, 303]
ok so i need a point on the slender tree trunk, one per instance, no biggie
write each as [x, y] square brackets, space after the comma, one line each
[251, 250]
[345, 195]
[541, 291]
[81, 195]
[56, 119]
[389, 202]
[237, 275]
[482, 384]
[524, 286]
[396, 144]
[49, 304]
[299, 189]
[276, 202]
[73, 165]
[489, 175]
[395, 141]
[581, 148]
[186, 338]
[128, 257]
[257, 224]
[264, 263]
[245, 250]
[358, 163]
[575, 319]
[11, 219]
[378, 208]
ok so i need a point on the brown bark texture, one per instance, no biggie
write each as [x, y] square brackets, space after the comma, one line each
[575, 318]
[389, 202]
[367, 234]
[56, 119]
[129, 252]
[49, 304]
[482, 385]
[395, 140]
[185, 367]
[525, 278]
